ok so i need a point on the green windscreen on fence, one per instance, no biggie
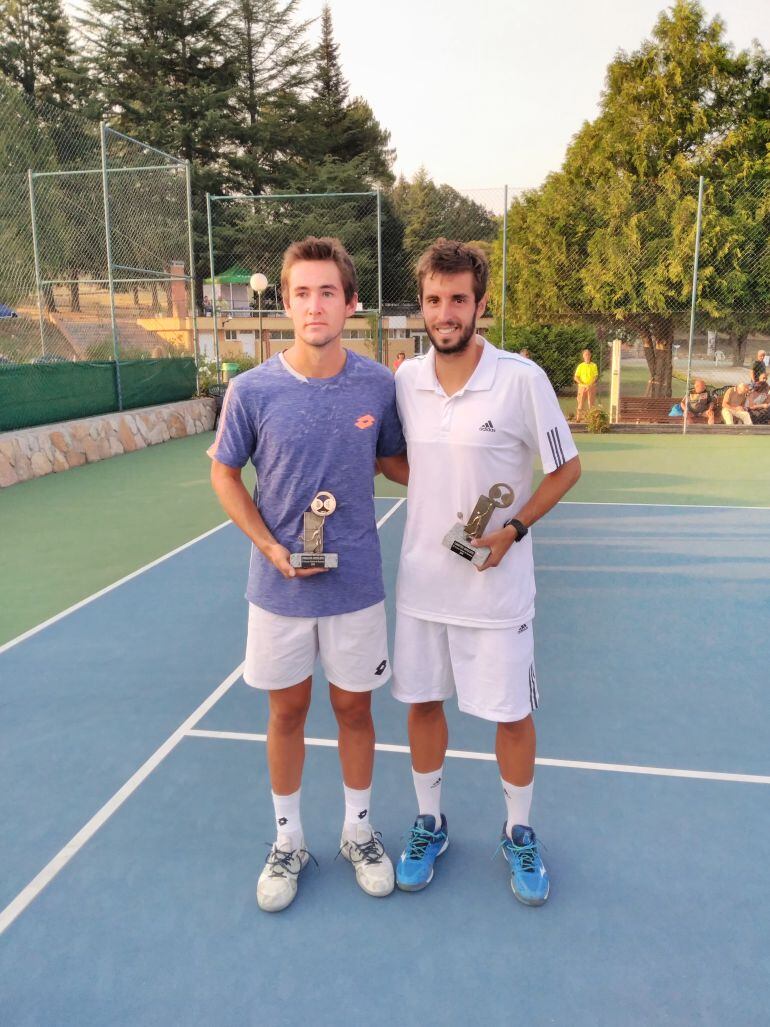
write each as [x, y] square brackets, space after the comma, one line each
[32, 394]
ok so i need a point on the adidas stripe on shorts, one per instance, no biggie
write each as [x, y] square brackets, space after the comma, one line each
[353, 649]
[491, 669]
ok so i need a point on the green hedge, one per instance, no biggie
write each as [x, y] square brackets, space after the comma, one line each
[557, 348]
[32, 394]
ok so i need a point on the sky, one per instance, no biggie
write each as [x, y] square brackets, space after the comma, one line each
[490, 93]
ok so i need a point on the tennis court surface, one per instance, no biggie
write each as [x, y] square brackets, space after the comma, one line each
[136, 804]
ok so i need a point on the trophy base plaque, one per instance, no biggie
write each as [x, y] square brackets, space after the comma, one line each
[304, 560]
[458, 541]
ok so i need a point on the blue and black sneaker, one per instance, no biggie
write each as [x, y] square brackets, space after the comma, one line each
[414, 869]
[529, 878]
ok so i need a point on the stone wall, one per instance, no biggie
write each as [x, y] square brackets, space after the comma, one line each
[34, 452]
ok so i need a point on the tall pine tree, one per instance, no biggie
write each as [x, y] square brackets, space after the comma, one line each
[347, 147]
[36, 48]
[274, 63]
[164, 74]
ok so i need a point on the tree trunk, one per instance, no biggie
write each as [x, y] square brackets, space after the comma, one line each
[74, 293]
[154, 302]
[48, 299]
[741, 338]
[658, 351]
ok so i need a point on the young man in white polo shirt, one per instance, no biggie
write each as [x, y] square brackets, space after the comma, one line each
[474, 417]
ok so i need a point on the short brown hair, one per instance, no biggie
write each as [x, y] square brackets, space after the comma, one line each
[324, 248]
[450, 257]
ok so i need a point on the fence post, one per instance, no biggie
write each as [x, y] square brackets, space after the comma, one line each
[36, 254]
[213, 286]
[505, 266]
[379, 276]
[694, 300]
[103, 127]
[191, 247]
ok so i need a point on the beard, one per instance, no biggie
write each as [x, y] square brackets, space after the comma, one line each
[456, 347]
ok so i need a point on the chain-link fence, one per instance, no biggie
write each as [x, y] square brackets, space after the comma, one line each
[385, 233]
[95, 252]
[616, 261]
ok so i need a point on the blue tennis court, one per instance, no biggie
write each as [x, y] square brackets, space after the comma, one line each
[136, 804]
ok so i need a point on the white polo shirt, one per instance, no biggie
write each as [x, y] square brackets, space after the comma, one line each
[459, 446]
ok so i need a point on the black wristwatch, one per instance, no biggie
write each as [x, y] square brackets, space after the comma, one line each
[521, 529]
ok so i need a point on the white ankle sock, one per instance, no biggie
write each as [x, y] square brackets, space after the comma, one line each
[428, 789]
[287, 820]
[357, 807]
[518, 801]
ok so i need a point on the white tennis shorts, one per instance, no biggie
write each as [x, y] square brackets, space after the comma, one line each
[492, 669]
[353, 647]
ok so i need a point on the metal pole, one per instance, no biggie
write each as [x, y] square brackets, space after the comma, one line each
[379, 277]
[213, 287]
[261, 350]
[693, 304]
[36, 253]
[191, 248]
[505, 266]
[111, 284]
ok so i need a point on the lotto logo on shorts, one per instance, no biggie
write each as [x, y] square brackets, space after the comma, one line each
[365, 421]
[381, 668]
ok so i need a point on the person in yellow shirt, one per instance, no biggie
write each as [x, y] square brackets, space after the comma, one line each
[586, 375]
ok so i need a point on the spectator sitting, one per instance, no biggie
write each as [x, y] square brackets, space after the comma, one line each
[734, 404]
[758, 402]
[759, 367]
[400, 358]
[699, 402]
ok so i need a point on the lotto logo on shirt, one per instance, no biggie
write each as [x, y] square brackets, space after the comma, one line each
[365, 421]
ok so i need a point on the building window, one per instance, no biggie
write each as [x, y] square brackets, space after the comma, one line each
[231, 335]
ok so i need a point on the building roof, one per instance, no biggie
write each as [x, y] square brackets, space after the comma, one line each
[235, 275]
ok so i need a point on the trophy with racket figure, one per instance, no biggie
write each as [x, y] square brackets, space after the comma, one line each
[312, 537]
[459, 537]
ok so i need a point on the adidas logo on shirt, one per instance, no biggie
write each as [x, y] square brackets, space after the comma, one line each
[487, 426]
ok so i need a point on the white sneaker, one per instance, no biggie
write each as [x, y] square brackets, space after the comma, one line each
[277, 884]
[364, 849]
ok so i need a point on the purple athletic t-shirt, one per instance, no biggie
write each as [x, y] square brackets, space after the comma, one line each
[304, 436]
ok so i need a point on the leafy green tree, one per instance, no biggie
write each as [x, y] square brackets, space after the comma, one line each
[609, 239]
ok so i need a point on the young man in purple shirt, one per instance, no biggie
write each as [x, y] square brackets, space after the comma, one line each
[313, 420]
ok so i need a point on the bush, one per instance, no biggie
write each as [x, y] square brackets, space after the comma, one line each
[556, 348]
[597, 420]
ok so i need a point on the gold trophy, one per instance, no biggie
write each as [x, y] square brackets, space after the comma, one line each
[312, 536]
[458, 538]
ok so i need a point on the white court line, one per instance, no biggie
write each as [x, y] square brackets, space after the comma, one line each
[489, 757]
[75, 844]
[663, 506]
[108, 588]
[390, 512]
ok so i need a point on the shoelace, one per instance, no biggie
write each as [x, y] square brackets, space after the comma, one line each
[419, 840]
[371, 851]
[279, 860]
[526, 855]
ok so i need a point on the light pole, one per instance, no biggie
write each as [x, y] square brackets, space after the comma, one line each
[258, 283]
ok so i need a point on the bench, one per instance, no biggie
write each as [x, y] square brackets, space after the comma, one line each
[654, 409]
